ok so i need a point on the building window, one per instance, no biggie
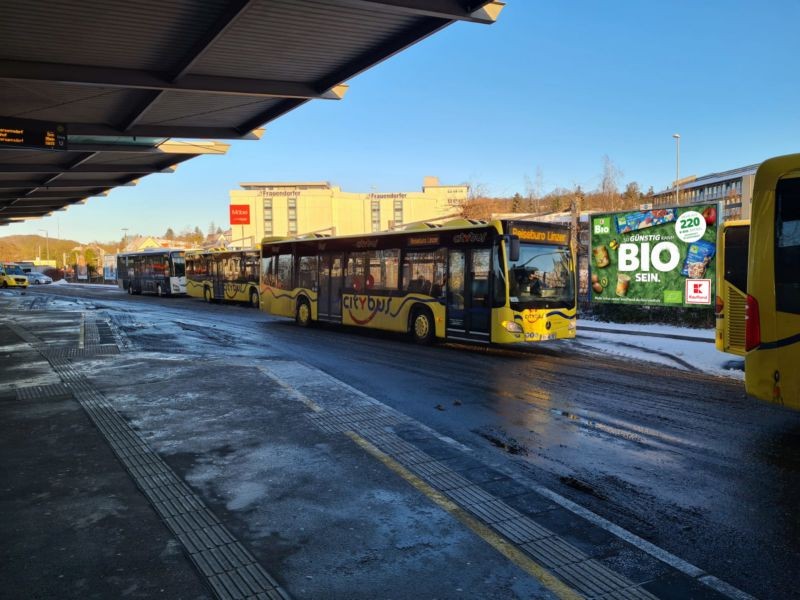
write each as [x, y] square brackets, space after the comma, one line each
[398, 213]
[267, 216]
[376, 215]
[292, 215]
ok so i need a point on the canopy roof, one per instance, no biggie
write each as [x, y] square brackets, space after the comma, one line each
[125, 76]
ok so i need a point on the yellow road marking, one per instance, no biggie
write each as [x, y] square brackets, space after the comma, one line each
[493, 539]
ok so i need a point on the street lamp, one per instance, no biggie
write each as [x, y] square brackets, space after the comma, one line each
[677, 137]
[47, 242]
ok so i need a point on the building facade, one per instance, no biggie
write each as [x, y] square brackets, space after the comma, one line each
[294, 209]
[732, 189]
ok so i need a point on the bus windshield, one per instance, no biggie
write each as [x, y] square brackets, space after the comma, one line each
[542, 277]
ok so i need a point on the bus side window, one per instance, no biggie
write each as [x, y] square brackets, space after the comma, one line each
[787, 246]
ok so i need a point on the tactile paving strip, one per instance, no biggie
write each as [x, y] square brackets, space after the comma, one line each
[230, 569]
[586, 576]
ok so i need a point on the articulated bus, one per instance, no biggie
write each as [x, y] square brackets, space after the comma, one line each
[732, 245]
[228, 275]
[772, 330]
[491, 282]
[158, 271]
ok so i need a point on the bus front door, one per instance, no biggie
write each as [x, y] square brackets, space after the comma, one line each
[329, 304]
[468, 299]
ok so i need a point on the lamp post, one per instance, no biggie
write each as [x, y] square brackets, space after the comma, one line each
[677, 137]
[47, 242]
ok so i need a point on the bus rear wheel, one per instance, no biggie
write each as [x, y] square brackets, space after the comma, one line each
[422, 328]
[207, 295]
[254, 299]
[303, 314]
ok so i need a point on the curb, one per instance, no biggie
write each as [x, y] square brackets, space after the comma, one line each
[672, 336]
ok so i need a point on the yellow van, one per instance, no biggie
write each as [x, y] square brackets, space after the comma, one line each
[12, 275]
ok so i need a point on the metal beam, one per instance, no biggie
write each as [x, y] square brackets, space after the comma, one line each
[484, 11]
[108, 168]
[55, 195]
[229, 16]
[158, 131]
[132, 79]
[64, 185]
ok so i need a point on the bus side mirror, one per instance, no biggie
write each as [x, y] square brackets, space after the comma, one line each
[513, 249]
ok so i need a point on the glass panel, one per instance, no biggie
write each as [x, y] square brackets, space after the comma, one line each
[283, 273]
[542, 275]
[179, 264]
[481, 259]
[455, 283]
[383, 269]
[736, 246]
[354, 276]
[307, 272]
[787, 246]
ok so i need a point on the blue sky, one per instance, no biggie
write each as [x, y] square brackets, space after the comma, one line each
[552, 86]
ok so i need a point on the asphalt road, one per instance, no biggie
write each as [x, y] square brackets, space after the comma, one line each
[682, 460]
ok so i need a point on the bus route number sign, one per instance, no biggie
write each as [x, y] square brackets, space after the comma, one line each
[30, 134]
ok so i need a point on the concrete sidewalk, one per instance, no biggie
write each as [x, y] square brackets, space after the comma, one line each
[145, 473]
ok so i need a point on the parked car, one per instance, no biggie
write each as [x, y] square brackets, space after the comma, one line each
[37, 278]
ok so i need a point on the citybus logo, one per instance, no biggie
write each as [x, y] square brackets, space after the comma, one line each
[362, 304]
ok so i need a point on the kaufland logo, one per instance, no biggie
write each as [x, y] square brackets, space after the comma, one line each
[698, 291]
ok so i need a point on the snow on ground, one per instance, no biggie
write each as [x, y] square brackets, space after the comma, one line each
[700, 355]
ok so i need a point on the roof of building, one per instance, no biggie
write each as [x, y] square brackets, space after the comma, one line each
[132, 74]
[713, 178]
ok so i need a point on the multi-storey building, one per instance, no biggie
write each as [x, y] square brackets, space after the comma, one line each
[732, 189]
[293, 209]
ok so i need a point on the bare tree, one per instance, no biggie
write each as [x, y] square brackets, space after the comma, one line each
[609, 193]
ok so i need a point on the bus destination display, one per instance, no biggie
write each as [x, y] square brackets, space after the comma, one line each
[32, 135]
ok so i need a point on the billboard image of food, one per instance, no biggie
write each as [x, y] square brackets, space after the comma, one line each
[656, 257]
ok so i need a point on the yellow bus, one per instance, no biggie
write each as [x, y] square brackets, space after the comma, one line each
[227, 275]
[732, 245]
[772, 331]
[491, 282]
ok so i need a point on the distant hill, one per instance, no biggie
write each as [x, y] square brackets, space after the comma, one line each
[27, 247]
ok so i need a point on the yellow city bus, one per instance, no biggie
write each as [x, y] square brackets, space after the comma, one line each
[772, 331]
[491, 282]
[221, 274]
[732, 245]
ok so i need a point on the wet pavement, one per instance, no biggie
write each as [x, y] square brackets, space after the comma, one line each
[348, 470]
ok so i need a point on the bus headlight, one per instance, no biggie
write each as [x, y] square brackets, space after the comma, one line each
[512, 327]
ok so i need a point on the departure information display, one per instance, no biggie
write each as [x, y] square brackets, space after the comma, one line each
[32, 135]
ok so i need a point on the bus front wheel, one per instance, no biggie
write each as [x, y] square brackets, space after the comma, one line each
[254, 299]
[303, 315]
[422, 328]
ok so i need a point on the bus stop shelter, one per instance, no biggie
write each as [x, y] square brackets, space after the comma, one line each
[93, 93]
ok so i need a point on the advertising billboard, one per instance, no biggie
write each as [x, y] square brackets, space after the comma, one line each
[656, 257]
